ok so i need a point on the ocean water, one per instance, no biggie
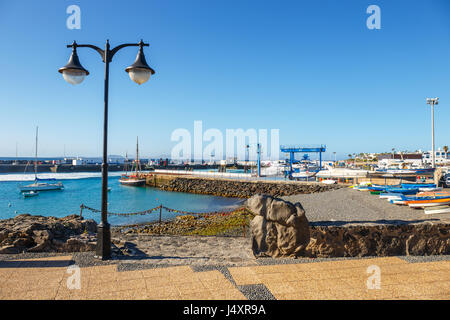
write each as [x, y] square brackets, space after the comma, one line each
[85, 188]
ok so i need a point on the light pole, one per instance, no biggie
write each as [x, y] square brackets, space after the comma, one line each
[74, 73]
[432, 102]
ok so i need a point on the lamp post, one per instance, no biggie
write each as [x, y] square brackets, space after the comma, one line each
[74, 73]
[432, 102]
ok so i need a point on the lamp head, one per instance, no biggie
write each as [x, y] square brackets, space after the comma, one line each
[73, 72]
[139, 71]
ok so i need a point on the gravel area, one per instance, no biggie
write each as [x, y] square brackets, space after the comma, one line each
[344, 206]
[256, 292]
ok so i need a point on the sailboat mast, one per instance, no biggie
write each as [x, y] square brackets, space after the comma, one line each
[137, 154]
[35, 155]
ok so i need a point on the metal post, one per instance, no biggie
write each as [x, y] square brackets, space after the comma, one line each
[259, 159]
[320, 160]
[160, 212]
[433, 158]
[291, 161]
[103, 229]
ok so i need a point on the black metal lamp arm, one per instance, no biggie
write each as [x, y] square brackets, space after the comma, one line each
[112, 52]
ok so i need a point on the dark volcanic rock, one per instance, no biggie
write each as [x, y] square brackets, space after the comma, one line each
[379, 240]
[28, 233]
[239, 188]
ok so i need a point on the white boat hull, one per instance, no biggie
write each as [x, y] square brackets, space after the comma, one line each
[437, 209]
[429, 204]
[132, 182]
[42, 187]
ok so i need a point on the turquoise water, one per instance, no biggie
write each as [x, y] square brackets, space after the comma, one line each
[121, 199]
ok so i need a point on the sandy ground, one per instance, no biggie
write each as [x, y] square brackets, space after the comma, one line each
[344, 206]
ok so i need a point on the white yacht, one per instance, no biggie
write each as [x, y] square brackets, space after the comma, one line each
[41, 184]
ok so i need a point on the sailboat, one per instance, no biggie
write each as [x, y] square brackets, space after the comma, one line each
[134, 178]
[40, 184]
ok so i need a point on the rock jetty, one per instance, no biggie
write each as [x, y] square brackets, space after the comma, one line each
[239, 188]
[29, 233]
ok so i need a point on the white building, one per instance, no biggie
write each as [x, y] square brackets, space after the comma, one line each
[440, 157]
[400, 160]
[78, 161]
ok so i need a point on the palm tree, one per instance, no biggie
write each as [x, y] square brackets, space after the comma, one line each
[445, 148]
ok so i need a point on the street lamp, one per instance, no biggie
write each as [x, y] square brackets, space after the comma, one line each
[432, 102]
[74, 73]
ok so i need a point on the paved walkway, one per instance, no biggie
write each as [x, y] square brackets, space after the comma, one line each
[48, 278]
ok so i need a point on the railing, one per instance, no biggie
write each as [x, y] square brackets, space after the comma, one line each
[241, 210]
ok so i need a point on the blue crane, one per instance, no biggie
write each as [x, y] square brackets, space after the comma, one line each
[292, 150]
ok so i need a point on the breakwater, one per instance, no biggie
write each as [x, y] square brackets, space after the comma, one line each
[233, 188]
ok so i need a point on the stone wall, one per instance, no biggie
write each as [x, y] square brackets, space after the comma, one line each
[235, 188]
[379, 240]
[28, 233]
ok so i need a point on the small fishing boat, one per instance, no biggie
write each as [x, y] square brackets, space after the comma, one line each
[433, 194]
[427, 202]
[135, 179]
[437, 209]
[30, 194]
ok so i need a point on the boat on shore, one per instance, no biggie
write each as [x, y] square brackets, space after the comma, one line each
[427, 202]
[135, 179]
[437, 209]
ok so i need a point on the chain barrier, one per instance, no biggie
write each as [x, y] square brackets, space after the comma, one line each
[180, 212]
[141, 213]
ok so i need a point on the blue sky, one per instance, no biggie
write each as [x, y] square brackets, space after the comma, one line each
[309, 68]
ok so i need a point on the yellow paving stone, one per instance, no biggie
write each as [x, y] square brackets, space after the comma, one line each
[266, 277]
[179, 270]
[157, 281]
[108, 286]
[437, 265]
[187, 278]
[200, 295]
[430, 288]
[94, 271]
[150, 273]
[280, 288]
[171, 293]
[170, 297]
[73, 294]
[317, 285]
[244, 275]
[232, 294]
[218, 284]
[132, 284]
[306, 295]
[129, 275]
[130, 295]
[209, 275]
[168, 290]
[41, 294]
[188, 288]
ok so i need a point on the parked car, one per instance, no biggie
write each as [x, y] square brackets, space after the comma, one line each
[447, 181]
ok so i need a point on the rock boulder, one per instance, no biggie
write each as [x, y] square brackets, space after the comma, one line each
[279, 228]
[29, 233]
